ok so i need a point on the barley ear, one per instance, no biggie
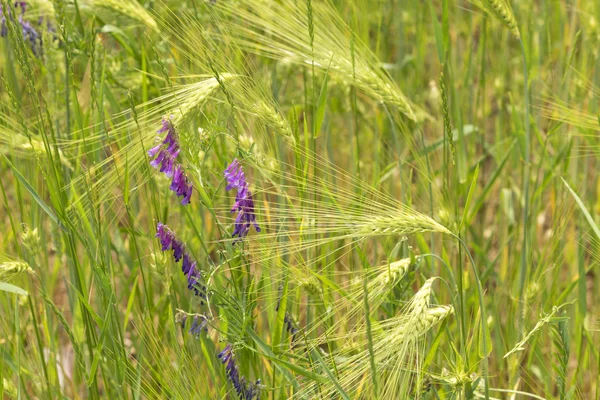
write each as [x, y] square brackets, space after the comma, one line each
[502, 10]
[446, 115]
[10, 269]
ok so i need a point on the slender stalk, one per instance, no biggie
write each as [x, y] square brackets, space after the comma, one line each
[526, 172]
[370, 338]
[485, 361]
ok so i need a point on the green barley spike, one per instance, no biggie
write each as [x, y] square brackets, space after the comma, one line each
[502, 10]
[446, 114]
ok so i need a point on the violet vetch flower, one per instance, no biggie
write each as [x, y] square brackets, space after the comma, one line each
[245, 390]
[199, 324]
[244, 204]
[189, 267]
[28, 31]
[290, 325]
[164, 157]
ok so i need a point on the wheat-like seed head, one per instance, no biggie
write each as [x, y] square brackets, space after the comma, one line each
[280, 31]
[10, 269]
[181, 103]
[398, 349]
[398, 225]
[424, 321]
[576, 116]
[396, 271]
[129, 8]
[543, 321]
[272, 118]
[312, 286]
[31, 240]
[190, 97]
[420, 301]
[502, 10]
[421, 317]
[14, 141]
[9, 388]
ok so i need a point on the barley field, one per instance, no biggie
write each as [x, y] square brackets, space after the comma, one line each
[300, 199]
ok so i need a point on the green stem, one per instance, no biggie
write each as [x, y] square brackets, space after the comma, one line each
[483, 318]
[370, 338]
[526, 173]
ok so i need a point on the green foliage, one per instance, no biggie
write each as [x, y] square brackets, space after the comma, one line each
[418, 238]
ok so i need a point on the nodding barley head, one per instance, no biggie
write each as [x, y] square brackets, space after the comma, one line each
[244, 204]
[395, 272]
[245, 390]
[502, 10]
[9, 388]
[421, 316]
[10, 269]
[430, 318]
[189, 266]
[312, 285]
[274, 119]
[420, 302]
[164, 157]
[31, 240]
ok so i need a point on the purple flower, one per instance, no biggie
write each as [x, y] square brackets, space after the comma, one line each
[28, 31]
[290, 324]
[189, 266]
[164, 157]
[244, 204]
[199, 324]
[245, 390]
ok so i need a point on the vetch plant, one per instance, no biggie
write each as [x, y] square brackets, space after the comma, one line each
[244, 205]
[165, 156]
[189, 267]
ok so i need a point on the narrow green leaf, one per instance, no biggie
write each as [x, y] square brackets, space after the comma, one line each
[130, 303]
[322, 102]
[267, 352]
[278, 331]
[98, 350]
[7, 287]
[126, 188]
[439, 37]
[35, 194]
[315, 354]
[434, 345]
[584, 210]
[469, 197]
[490, 181]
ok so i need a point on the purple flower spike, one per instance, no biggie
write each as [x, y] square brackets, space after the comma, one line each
[245, 390]
[199, 324]
[165, 236]
[181, 185]
[189, 267]
[27, 30]
[164, 157]
[288, 320]
[244, 204]
[154, 151]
